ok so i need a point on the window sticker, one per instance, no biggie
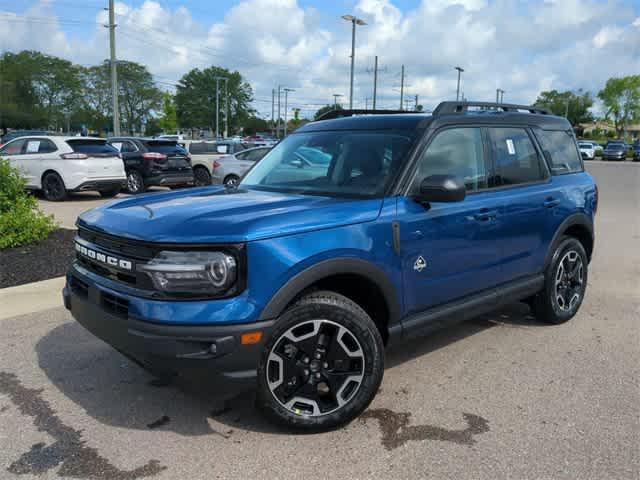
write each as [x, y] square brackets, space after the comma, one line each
[33, 146]
[511, 147]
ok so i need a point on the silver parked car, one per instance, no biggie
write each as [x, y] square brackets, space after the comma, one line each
[230, 168]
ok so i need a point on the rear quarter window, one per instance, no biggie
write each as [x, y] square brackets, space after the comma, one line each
[92, 147]
[168, 148]
[560, 149]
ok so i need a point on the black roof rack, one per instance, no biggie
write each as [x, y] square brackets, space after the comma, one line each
[445, 108]
[347, 113]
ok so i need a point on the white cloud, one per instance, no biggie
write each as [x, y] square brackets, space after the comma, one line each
[522, 47]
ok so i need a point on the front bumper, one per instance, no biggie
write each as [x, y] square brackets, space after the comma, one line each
[211, 353]
[614, 157]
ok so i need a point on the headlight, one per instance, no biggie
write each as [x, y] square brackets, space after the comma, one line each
[192, 273]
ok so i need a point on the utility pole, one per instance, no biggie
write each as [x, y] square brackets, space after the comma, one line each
[278, 117]
[460, 70]
[273, 106]
[501, 96]
[226, 108]
[497, 95]
[114, 69]
[286, 91]
[416, 104]
[217, 103]
[401, 87]
[335, 100]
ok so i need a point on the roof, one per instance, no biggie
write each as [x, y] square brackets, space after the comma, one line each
[445, 113]
[143, 139]
[58, 137]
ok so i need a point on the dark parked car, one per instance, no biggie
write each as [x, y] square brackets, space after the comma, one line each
[153, 161]
[615, 151]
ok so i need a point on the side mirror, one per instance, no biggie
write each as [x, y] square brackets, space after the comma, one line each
[441, 188]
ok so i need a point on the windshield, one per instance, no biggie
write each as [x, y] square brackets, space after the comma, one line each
[337, 163]
[615, 146]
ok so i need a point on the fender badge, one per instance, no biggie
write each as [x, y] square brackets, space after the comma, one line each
[420, 264]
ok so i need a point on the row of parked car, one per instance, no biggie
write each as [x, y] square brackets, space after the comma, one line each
[614, 150]
[58, 165]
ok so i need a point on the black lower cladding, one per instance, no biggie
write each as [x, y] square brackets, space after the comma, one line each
[199, 353]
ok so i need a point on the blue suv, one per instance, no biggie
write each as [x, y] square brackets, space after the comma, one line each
[355, 232]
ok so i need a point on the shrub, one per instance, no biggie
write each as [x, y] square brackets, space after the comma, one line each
[599, 152]
[21, 221]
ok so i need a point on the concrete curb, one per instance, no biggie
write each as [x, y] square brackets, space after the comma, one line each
[31, 297]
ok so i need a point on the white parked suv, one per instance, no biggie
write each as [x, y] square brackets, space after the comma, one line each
[58, 165]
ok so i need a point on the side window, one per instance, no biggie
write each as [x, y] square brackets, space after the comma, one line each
[13, 148]
[243, 156]
[456, 151]
[128, 147]
[47, 146]
[561, 149]
[517, 160]
[33, 146]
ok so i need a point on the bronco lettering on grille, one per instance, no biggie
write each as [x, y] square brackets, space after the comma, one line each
[104, 258]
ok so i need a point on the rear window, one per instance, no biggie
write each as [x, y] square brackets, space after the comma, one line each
[92, 147]
[202, 147]
[168, 148]
[560, 148]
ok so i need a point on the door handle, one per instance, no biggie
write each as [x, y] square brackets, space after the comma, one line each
[551, 202]
[485, 215]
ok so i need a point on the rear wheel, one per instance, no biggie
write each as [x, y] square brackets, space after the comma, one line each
[201, 177]
[110, 193]
[231, 180]
[135, 182]
[53, 187]
[565, 283]
[323, 364]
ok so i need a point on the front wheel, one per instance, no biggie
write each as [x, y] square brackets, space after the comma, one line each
[323, 364]
[565, 283]
[231, 180]
[135, 182]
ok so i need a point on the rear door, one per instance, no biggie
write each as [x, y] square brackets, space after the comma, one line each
[451, 250]
[529, 196]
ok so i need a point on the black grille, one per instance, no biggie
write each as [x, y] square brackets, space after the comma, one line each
[117, 245]
[114, 304]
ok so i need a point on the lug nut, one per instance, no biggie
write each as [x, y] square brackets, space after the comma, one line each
[325, 365]
[318, 375]
[318, 356]
[305, 359]
[306, 372]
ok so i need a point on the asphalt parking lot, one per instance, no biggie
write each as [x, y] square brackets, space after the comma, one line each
[498, 397]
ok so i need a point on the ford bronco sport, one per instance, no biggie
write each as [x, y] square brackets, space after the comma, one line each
[295, 280]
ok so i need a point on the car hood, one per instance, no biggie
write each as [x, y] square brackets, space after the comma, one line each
[218, 215]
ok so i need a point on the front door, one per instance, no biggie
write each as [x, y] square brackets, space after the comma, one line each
[451, 250]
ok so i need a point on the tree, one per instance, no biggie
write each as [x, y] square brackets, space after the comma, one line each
[327, 108]
[621, 98]
[567, 104]
[96, 113]
[138, 95]
[196, 99]
[168, 121]
[255, 124]
[38, 90]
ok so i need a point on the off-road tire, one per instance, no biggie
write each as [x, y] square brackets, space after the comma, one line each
[339, 311]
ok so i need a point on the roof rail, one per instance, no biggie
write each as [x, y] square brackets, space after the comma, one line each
[347, 113]
[445, 108]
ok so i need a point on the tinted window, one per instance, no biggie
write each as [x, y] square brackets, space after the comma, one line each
[560, 148]
[516, 158]
[168, 148]
[128, 147]
[458, 152]
[202, 147]
[13, 148]
[257, 154]
[47, 146]
[92, 146]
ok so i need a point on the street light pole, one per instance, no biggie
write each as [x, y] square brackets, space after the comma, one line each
[335, 100]
[114, 69]
[286, 91]
[354, 21]
[460, 70]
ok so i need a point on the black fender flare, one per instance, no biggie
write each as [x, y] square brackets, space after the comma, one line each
[326, 268]
[575, 219]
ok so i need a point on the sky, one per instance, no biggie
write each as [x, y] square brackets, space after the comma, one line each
[522, 47]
